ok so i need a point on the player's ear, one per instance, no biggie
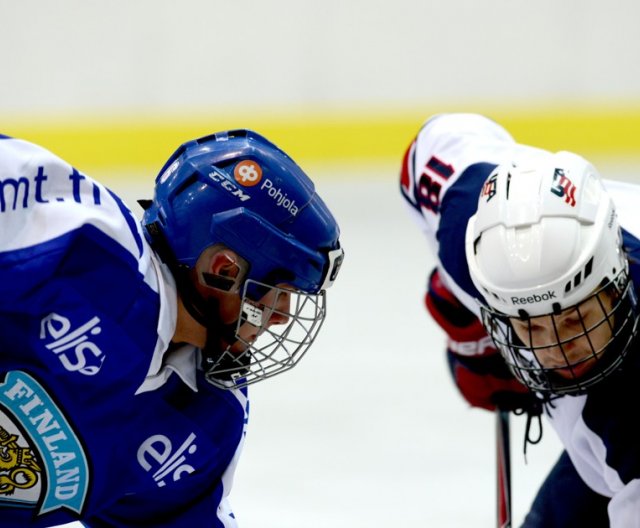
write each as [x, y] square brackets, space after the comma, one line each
[221, 268]
[225, 263]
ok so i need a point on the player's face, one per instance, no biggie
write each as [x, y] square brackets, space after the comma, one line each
[275, 306]
[569, 343]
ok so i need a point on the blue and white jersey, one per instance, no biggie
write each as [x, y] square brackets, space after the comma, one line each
[443, 172]
[101, 418]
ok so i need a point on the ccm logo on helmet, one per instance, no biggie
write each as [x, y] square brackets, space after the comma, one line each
[232, 189]
[534, 298]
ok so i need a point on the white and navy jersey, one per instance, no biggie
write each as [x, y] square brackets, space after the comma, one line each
[100, 419]
[443, 172]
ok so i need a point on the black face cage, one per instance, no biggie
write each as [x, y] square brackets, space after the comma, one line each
[281, 337]
[524, 362]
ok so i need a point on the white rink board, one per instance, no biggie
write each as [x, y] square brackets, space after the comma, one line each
[314, 53]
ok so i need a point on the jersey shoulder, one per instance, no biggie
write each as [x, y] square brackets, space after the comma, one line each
[43, 197]
[44, 200]
[442, 174]
[67, 244]
[443, 148]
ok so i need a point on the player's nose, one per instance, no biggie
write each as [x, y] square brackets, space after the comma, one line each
[280, 315]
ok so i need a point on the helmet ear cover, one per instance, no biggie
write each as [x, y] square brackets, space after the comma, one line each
[306, 268]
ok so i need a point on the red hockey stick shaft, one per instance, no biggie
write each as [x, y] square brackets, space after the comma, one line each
[503, 459]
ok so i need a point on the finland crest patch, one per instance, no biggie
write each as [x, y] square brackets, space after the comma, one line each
[42, 463]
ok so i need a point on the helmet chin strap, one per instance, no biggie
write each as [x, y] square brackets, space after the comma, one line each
[220, 337]
[206, 311]
[218, 360]
[216, 352]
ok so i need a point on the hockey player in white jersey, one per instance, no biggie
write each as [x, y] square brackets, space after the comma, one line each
[126, 348]
[535, 285]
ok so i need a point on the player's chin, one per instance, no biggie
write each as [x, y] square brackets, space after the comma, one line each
[577, 370]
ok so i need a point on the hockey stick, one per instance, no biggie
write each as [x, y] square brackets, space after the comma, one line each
[503, 464]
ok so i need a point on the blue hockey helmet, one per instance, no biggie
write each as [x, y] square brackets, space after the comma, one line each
[237, 190]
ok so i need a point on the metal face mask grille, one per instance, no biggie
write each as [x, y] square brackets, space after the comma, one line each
[273, 334]
[569, 352]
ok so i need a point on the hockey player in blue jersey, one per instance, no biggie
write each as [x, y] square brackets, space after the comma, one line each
[535, 286]
[126, 347]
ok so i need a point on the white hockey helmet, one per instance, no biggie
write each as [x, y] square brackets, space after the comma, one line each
[544, 239]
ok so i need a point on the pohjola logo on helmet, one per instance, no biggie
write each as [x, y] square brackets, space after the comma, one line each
[282, 200]
[534, 298]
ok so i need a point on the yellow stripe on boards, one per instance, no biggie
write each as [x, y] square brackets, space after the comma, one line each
[365, 137]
